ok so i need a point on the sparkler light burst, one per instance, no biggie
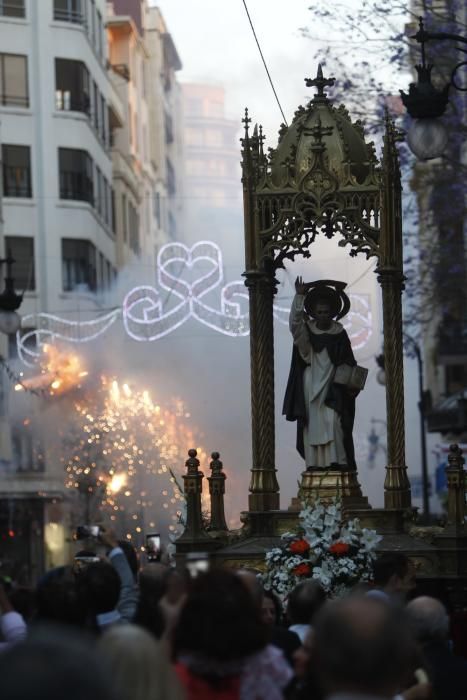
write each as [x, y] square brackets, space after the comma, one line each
[125, 454]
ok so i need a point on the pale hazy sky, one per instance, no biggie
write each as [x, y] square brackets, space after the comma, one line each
[216, 44]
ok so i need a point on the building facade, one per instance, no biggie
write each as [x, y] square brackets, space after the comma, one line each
[84, 193]
[439, 186]
[143, 61]
[212, 168]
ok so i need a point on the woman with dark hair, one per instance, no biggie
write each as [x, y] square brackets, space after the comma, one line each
[271, 609]
[220, 644]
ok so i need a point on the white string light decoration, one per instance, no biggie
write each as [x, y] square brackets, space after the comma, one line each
[188, 279]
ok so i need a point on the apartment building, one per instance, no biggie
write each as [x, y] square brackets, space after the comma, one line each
[143, 61]
[89, 180]
[57, 217]
[212, 186]
[439, 186]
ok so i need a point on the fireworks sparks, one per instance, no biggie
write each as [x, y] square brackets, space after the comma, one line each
[125, 453]
[60, 372]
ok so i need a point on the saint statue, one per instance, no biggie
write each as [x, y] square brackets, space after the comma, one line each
[324, 378]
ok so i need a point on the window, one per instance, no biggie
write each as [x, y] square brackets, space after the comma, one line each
[194, 106]
[21, 249]
[96, 105]
[171, 182]
[213, 137]
[101, 282]
[124, 218]
[27, 452]
[14, 80]
[103, 122]
[112, 209]
[107, 203]
[78, 264]
[193, 137]
[172, 225]
[130, 125]
[71, 86]
[16, 171]
[133, 225]
[169, 128]
[157, 208]
[5, 385]
[144, 78]
[98, 198]
[92, 23]
[12, 8]
[99, 34]
[216, 109]
[135, 132]
[28, 343]
[75, 167]
[69, 11]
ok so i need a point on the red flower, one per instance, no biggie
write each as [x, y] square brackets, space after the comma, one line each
[301, 570]
[339, 548]
[299, 547]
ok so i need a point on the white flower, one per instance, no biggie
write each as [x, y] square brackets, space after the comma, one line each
[370, 539]
[324, 574]
[322, 526]
[334, 511]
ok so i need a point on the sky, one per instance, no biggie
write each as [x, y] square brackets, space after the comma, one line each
[230, 55]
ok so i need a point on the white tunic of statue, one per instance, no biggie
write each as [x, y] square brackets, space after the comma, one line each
[322, 435]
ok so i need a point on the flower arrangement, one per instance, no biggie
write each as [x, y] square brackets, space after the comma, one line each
[338, 553]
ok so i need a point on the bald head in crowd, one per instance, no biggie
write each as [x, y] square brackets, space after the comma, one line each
[362, 646]
[428, 619]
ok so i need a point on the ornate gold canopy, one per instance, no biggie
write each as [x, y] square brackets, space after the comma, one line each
[322, 178]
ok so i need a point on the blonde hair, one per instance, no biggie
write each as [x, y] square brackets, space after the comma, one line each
[139, 665]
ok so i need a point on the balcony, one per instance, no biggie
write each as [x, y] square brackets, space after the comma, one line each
[449, 415]
[12, 8]
[74, 185]
[68, 11]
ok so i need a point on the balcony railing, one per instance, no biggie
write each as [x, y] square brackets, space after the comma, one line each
[448, 416]
[75, 185]
[66, 102]
[72, 16]
[12, 9]
[14, 100]
[16, 181]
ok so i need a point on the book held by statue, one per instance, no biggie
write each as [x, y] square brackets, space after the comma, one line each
[352, 377]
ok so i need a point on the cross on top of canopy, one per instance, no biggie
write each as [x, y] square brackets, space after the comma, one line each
[322, 177]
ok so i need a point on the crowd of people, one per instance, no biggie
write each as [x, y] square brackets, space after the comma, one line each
[105, 628]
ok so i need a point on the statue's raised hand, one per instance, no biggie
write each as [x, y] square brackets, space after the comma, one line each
[301, 287]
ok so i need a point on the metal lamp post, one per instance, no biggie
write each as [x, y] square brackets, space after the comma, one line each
[422, 407]
[427, 136]
[422, 394]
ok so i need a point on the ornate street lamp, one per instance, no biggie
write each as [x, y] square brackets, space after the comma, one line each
[10, 321]
[427, 136]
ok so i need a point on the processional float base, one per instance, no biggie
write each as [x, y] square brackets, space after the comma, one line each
[327, 485]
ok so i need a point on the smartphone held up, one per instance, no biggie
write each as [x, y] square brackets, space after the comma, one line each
[153, 546]
[84, 532]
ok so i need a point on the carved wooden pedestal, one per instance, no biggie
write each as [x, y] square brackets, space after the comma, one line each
[328, 485]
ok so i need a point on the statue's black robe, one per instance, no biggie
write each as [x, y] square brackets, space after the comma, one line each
[338, 398]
